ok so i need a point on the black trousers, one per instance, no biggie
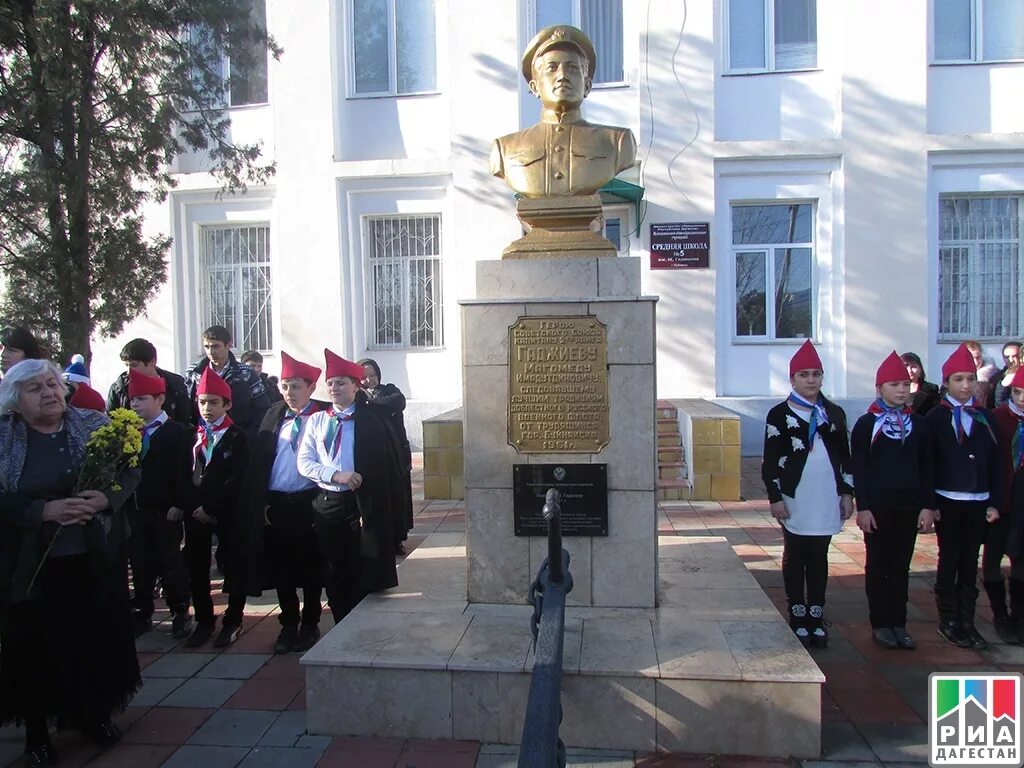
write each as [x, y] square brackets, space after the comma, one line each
[338, 534]
[198, 551]
[996, 538]
[960, 530]
[890, 548]
[805, 561]
[154, 548]
[294, 555]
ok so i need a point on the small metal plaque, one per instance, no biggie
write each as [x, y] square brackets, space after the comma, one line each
[558, 384]
[584, 491]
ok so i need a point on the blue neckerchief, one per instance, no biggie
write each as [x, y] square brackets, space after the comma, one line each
[818, 414]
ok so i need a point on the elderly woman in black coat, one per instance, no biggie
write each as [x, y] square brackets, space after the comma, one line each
[67, 651]
[388, 402]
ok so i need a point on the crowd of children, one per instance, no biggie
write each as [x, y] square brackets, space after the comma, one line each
[955, 470]
[289, 492]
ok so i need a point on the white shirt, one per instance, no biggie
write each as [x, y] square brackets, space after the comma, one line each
[284, 475]
[814, 507]
[315, 460]
[156, 423]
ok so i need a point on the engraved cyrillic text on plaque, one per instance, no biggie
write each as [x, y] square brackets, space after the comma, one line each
[558, 385]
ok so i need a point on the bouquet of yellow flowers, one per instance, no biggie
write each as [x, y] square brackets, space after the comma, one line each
[110, 450]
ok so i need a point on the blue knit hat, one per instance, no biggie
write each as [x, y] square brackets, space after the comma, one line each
[76, 372]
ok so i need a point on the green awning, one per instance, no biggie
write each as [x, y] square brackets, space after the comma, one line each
[617, 190]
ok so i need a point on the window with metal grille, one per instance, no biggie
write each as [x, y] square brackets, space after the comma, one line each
[404, 273]
[979, 267]
[237, 286]
[773, 254]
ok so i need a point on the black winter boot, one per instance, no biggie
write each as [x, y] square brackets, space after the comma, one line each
[816, 627]
[1006, 627]
[798, 622]
[949, 627]
[967, 599]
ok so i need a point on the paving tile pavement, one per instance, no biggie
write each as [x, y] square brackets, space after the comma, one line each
[208, 708]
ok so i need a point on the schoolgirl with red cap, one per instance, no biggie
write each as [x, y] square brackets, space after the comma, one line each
[806, 472]
[968, 491]
[1004, 535]
[892, 478]
[347, 451]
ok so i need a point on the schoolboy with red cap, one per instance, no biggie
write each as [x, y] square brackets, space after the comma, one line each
[967, 494]
[283, 498]
[892, 479]
[220, 459]
[1004, 536]
[806, 472]
[157, 508]
[346, 450]
[86, 397]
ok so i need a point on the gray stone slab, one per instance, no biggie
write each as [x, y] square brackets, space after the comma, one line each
[202, 692]
[693, 648]
[618, 647]
[234, 666]
[179, 664]
[841, 741]
[154, 690]
[190, 756]
[834, 764]
[285, 731]
[282, 757]
[426, 642]
[234, 728]
[156, 642]
[769, 651]
[319, 743]
[897, 743]
[492, 644]
[358, 639]
[497, 756]
[476, 706]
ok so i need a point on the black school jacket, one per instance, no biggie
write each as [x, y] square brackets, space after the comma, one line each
[891, 474]
[220, 481]
[971, 467]
[783, 460]
[166, 470]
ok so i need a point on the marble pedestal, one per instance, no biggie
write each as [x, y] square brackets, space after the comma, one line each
[618, 570]
[713, 669]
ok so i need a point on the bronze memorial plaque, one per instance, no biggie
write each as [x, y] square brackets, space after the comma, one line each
[558, 384]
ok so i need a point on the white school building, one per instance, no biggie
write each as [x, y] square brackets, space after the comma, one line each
[860, 165]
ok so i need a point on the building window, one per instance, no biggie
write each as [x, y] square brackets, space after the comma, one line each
[245, 78]
[600, 20]
[772, 35]
[979, 267]
[236, 278]
[773, 252]
[394, 47]
[404, 264]
[966, 31]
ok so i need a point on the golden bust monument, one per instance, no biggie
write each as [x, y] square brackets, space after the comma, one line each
[558, 165]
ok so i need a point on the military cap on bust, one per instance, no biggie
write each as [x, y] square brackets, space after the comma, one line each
[558, 35]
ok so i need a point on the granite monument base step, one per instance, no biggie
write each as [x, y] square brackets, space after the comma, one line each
[713, 669]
